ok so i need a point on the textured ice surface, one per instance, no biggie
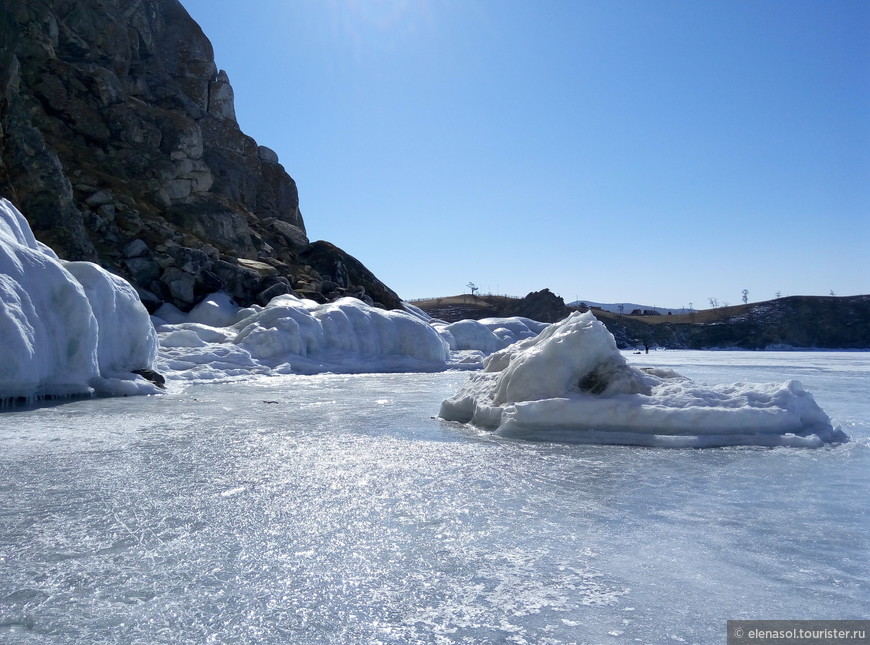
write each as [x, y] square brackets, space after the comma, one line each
[66, 327]
[334, 509]
[570, 383]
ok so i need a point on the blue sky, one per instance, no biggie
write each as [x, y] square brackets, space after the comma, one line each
[661, 152]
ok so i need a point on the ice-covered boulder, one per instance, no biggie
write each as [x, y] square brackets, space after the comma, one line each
[66, 327]
[570, 383]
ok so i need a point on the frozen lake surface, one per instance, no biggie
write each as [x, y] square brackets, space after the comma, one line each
[336, 509]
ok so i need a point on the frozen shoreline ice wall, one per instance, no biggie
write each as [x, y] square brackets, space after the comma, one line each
[571, 383]
[219, 340]
[68, 328]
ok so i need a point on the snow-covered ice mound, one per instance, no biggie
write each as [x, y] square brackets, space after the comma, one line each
[218, 340]
[489, 334]
[470, 340]
[571, 383]
[67, 328]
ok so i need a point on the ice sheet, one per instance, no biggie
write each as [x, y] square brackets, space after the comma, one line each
[335, 509]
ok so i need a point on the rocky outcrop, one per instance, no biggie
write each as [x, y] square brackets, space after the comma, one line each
[119, 141]
[344, 275]
[543, 306]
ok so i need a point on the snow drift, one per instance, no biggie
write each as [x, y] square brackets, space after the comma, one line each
[570, 383]
[67, 328]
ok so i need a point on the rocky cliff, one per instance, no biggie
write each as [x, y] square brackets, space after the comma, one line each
[119, 142]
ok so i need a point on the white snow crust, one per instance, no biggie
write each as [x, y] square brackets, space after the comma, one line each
[67, 328]
[571, 383]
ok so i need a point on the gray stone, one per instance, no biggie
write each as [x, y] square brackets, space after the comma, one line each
[208, 218]
[130, 222]
[262, 269]
[211, 252]
[221, 100]
[190, 260]
[239, 282]
[267, 155]
[294, 235]
[277, 289]
[143, 270]
[107, 86]
[164, 260]
[208, 282]
[151, 301]
[178, 188]
[181, 285]
[201, 181]
[135, 249]
[99, 198]
[183, 165]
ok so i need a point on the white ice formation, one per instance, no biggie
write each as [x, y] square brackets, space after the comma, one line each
[67, 328]
[570, 383]
[489, 334]
[218, 340]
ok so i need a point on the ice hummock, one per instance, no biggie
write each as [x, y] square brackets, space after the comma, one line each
[571, 383]
[219, 340]
[67, 328]
[488, 335]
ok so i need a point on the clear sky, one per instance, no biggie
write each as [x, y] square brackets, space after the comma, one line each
[661, 152]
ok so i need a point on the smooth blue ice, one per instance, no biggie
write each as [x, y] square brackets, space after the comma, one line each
[335, 509]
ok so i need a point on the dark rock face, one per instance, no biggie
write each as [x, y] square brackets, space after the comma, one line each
[119, 142]
[344, 275]
[543, 306]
